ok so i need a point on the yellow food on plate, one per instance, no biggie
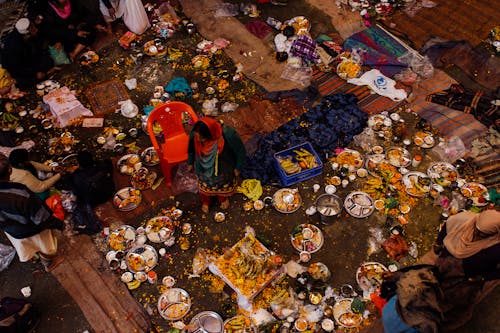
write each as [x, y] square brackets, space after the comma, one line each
[135, 262]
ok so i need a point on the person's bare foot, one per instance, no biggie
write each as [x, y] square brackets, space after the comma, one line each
[224, 204]
[204, 208]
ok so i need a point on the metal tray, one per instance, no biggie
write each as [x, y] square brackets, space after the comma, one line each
[414, 175]
[375, 279]
[123, 160]
[174, 304]
[403, 160]
[155, 234]
[356, 209]
[343, 307]
[315, 242]
[206, 322]
[142, 258]
[124, 194]
[117, 240]
[147, 157]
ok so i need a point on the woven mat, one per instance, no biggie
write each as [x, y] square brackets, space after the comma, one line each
[469, 20]
[449, 122]
[331, 83]
[102, 297]
[105, 96]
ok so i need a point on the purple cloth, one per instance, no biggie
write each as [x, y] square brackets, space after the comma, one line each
[304, 47]
[381, 49]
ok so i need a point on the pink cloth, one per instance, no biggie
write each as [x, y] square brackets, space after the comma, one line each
[63, 13]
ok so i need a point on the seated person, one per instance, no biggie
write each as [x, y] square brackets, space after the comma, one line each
[25, 171]
[8, 89]
[7, 147]
[92, 182]
[65, 22]
[24, 56]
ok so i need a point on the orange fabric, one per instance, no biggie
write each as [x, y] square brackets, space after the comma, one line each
[378, 301]
[54, 203]
[215, 128]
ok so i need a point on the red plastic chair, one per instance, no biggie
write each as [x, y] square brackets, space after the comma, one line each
[174, 148]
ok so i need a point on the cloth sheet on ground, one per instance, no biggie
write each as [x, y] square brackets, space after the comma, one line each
[381, 50]
[478, 63]
[330, 83]
[104, 97]
[329, 125]
[65, 107]
[483, 108]
[449, 122]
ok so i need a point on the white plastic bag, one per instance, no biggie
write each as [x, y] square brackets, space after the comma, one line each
[135, 17]
[7, 253]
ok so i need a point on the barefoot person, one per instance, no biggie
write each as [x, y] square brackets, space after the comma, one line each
[217, 154]
[27, 222]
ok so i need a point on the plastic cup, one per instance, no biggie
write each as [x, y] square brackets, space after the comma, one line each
[26, 291]
[152, 277]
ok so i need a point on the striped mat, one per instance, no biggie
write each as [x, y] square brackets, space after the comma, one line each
[330, 83]
[448, 121]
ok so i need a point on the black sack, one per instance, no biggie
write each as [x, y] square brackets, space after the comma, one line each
[85, 220]
[17, 315]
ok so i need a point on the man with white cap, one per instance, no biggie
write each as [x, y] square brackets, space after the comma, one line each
[24, 56]
[23, 25]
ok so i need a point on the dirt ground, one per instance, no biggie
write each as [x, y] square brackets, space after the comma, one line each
[345, 243]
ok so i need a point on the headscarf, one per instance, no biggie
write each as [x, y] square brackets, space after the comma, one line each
[207, 152]
[215, 128]
[63, 13]
[460, 232]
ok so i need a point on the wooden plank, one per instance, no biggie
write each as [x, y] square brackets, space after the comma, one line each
[104, 300]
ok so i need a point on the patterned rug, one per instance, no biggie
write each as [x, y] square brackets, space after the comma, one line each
[449, 122]
[104, 97]
[380, 50]
[371, 103]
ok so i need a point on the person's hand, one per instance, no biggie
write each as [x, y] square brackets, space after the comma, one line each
[82, 33]
[59, 169]
[190, 168]
[237, 172]
[101, 28]
[112, 13]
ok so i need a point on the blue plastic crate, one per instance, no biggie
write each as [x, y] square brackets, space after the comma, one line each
[287, 180]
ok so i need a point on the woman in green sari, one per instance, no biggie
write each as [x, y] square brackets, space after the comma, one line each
[217, 154]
